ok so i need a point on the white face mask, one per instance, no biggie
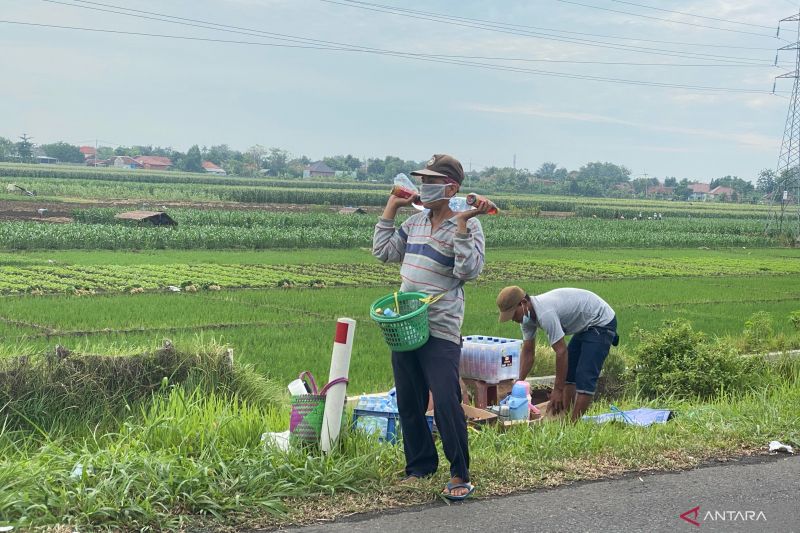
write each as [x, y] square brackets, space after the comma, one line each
[431, 192]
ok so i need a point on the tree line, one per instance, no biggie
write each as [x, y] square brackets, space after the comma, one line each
[597, 179]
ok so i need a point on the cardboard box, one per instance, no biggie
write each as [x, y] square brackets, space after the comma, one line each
[475, 416]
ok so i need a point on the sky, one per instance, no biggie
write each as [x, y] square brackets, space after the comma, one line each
[78, 86]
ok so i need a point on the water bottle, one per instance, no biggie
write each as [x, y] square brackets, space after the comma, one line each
[458, 204]
[405, 188]
[474, 199]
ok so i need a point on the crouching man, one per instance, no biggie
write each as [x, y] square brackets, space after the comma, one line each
[560, 312]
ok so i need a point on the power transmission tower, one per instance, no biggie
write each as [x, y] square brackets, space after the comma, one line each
[785, 212]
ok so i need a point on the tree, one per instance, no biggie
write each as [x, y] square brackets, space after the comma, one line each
[682, 190]
[64, 152]
[546, 171]
[25, 148]
[256, 155]
[7, 149]
[103, 152]
[277, 162]
[640, 185]
[734, 182]
[193, 162]
[220, 153]
[766, 182]
[670, 182]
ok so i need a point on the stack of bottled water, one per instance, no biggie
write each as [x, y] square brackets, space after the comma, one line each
[376, 404]
[491, 359]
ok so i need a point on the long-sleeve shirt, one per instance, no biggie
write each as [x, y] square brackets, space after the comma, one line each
[434, 263]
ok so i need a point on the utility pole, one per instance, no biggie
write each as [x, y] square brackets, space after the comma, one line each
[787, 187]
[515, 161]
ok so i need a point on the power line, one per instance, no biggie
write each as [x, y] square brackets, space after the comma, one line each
[528, 27]
[692, 14]
[485, 66]
[661, 19]
[150, 15]
[500, 29]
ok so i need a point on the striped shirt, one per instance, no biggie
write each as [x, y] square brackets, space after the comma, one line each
[434, 263]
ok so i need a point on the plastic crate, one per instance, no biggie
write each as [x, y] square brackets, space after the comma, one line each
[490, 359]
[385, 424]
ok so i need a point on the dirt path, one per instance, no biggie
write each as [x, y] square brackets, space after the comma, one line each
[62, 211]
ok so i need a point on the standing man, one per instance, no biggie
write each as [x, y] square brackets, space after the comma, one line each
[577, 312]
[439, 250]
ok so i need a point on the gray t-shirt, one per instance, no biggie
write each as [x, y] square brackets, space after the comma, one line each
[566, 312]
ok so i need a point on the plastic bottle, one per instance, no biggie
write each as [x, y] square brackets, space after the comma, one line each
[405, 188]
[458, 204]
[473, 199]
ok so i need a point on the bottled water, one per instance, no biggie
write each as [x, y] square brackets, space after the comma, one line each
[459, 203]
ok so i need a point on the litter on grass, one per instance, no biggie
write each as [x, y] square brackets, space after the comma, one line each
[776, 446]
[644, 416]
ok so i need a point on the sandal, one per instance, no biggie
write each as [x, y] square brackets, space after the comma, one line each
[450, 486]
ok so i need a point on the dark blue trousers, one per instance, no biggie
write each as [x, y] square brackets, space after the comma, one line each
[432, 367]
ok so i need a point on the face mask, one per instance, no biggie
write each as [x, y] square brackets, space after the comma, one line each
[431, 192]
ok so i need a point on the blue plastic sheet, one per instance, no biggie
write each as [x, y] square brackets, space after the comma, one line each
[644, 416]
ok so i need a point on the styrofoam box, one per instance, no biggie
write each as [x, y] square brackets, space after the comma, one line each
[491, 359]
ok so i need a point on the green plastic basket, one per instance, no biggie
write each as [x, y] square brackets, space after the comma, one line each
[408, 331]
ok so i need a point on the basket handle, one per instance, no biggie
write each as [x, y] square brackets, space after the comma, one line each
[332, 383]
[433, 298]
[311, 381]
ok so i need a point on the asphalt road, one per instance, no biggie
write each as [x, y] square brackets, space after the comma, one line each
[761, 495]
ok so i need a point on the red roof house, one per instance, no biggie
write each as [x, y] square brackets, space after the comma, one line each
[211, 168]
[87, 151]
[154, 162]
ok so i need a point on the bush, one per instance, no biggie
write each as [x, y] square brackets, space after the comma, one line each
[794, 319]
[678, 361]
[758, 331]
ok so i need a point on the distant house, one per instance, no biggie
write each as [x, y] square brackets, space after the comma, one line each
[156, 218]
[699, 191]
[124, 161]
[211, 168]
[660, 191]
[92, 162]
[154, 162]
[352, 211]
[318, 169]
[88, 152]
[40, 156]
[724, 193]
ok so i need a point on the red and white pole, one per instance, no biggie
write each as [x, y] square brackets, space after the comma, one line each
[337, 394]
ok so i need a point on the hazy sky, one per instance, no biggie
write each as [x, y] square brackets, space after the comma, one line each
[60, 84]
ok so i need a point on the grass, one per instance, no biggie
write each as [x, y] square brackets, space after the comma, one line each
[192, 461]
[282, 332]
[364, 255]
[189, 456]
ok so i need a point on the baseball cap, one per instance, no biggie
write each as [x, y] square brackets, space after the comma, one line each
[508, 300]
[442, 166]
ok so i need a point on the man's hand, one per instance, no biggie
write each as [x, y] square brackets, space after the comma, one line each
[556, 404]
[480, 209]
[462, 217]
[394, 203]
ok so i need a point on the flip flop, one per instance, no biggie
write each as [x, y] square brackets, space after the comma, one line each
[451, 486]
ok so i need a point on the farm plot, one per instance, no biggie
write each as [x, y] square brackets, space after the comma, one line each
[207, 230]
[283, 332]
[49, 278]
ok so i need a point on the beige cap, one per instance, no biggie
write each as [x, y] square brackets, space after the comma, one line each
[508, 300]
